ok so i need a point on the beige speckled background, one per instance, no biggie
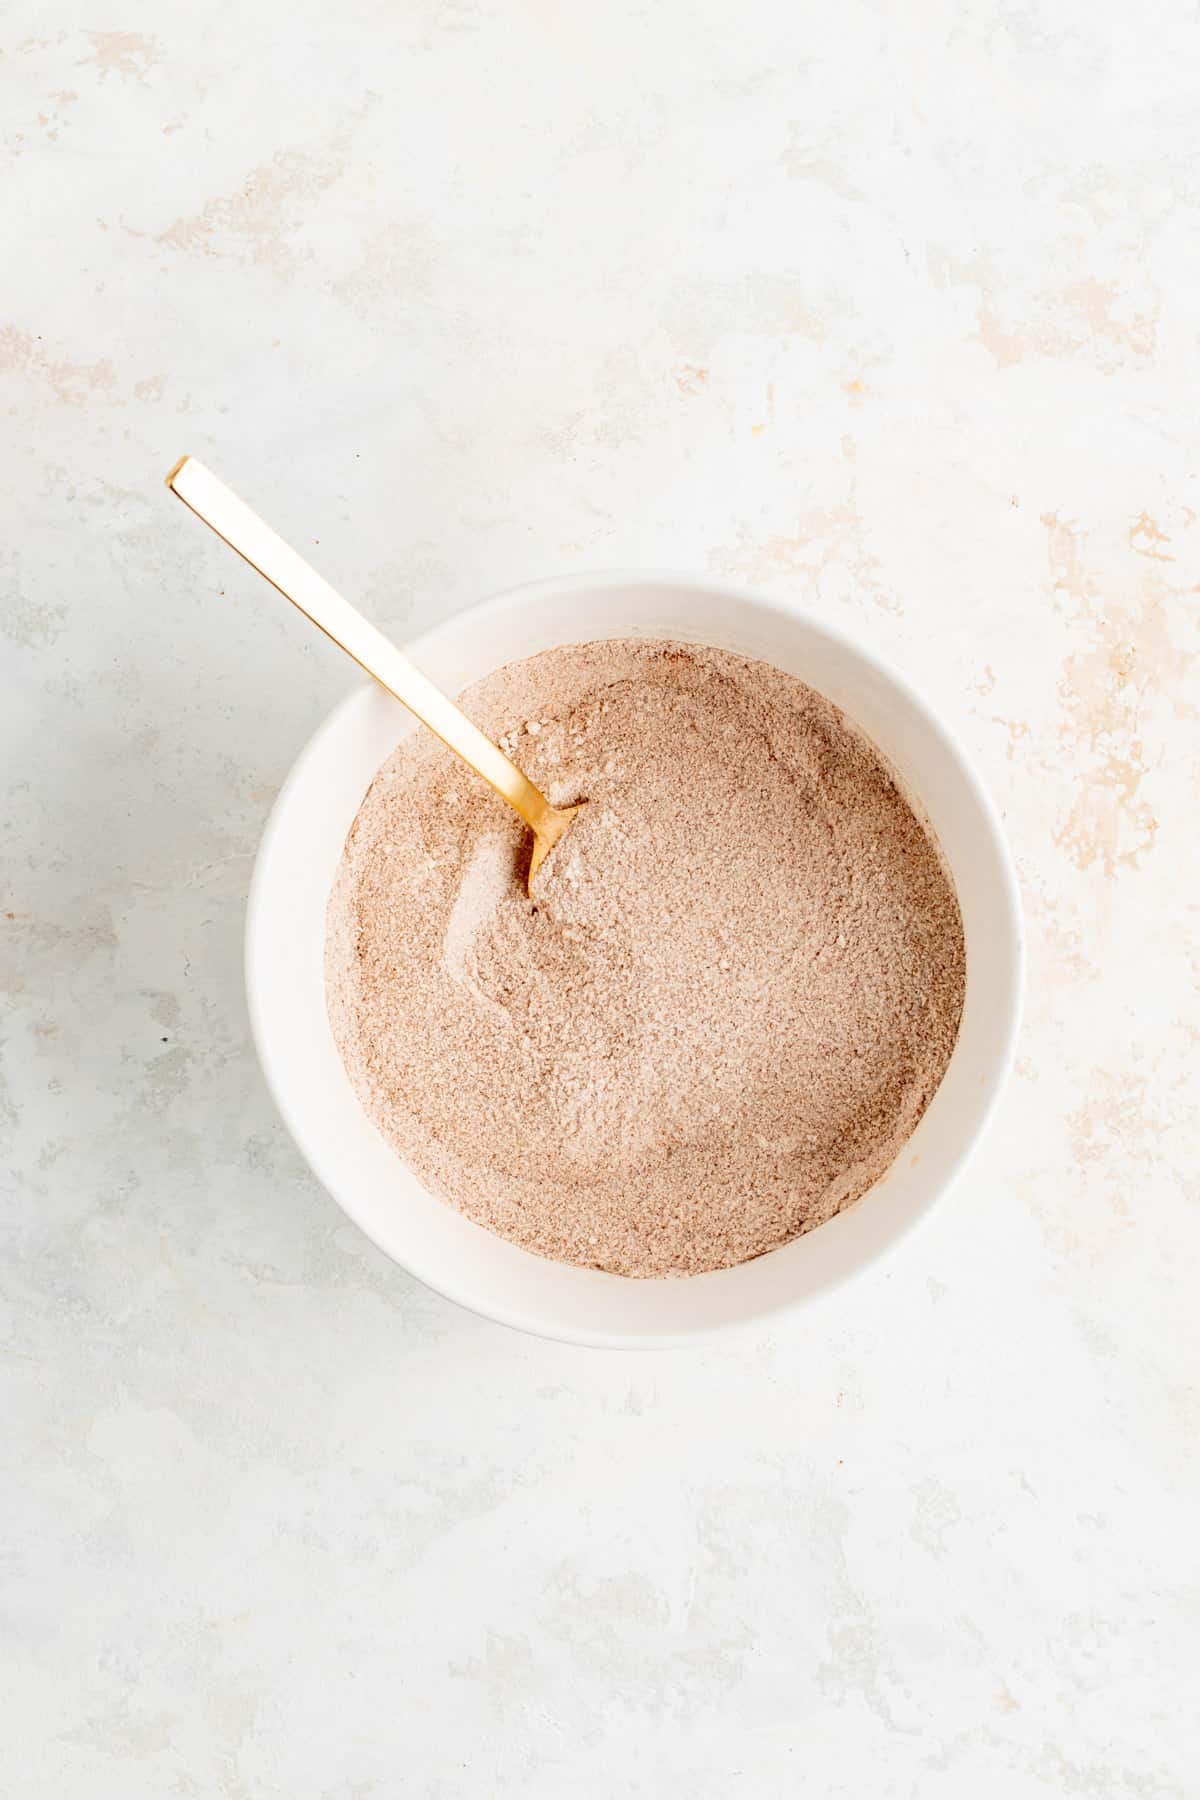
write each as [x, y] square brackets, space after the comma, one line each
[889, 309]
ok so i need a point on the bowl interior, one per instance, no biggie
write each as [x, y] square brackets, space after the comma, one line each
[285, 982]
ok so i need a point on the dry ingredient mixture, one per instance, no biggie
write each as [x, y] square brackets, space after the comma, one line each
[729, 1002]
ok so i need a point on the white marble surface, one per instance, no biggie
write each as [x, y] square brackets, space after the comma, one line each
[890, 309]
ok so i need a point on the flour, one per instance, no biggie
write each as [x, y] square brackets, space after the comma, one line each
[722, 1014]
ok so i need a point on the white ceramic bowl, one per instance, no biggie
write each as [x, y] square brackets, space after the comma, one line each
[285, 941]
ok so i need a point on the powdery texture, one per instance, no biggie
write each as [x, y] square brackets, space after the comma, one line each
[720, 1019]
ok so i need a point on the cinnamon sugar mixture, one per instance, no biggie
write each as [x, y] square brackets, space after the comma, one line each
[721, 1017]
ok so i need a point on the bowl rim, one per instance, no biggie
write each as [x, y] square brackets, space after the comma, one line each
[322, 1166]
